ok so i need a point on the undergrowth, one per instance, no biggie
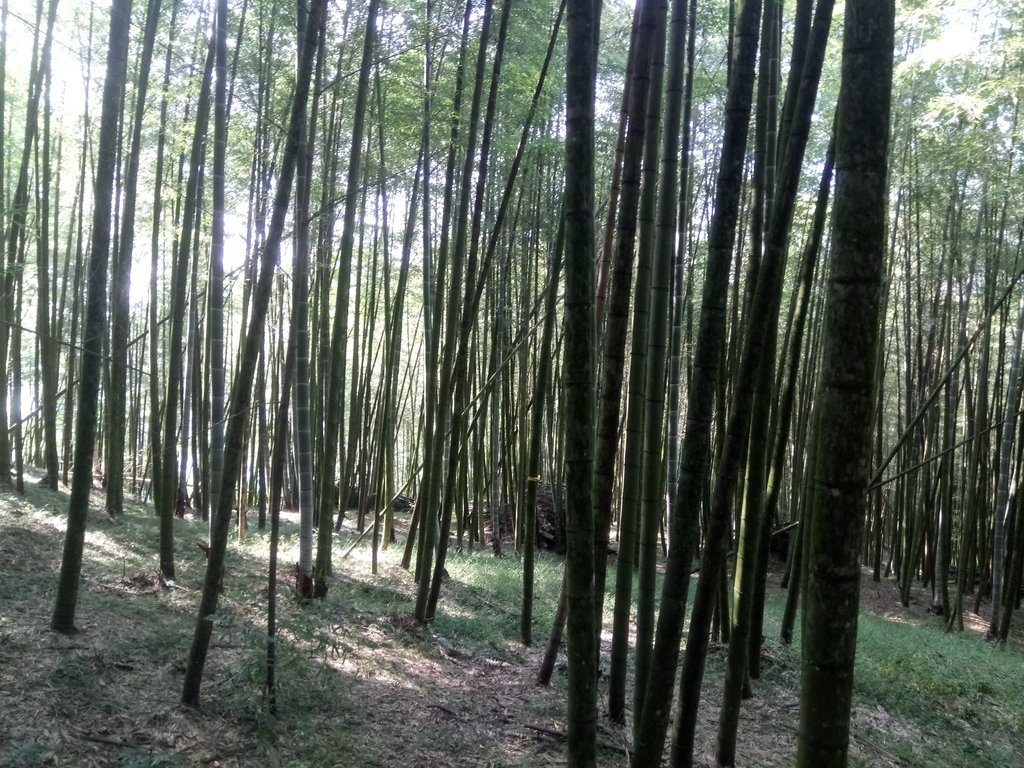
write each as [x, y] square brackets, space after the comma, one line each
[956, 699]
[362, 684]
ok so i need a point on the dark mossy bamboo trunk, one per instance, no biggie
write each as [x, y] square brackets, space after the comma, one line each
[95, 321]
[654, 470]
[695, 455]
[4, 312]
[334, 427]
[763, 315]
[616, 320]
[633, 450]
[537, 431]
[120, 305]
[241, 391]
[301, 383]
[578, 393]
[215, 285]
[846, 393]
[476, 273]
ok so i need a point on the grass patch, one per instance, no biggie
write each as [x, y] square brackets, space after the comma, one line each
[956, 699]
[362, 684]
[480, 585]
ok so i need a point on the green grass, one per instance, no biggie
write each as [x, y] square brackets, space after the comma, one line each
[362, 684]
[481, 586]
[923, 698]
[959, 697]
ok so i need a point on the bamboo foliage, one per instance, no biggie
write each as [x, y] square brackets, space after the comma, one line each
[434, 365]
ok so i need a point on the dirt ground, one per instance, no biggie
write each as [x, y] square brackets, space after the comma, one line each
[360, 689]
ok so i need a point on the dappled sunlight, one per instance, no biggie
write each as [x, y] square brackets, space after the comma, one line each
[455, 698]
[359, 676]
[881, 600]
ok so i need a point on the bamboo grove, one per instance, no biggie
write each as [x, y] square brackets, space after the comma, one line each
[432, 260]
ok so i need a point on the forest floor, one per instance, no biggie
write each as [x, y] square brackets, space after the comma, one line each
[362, 684]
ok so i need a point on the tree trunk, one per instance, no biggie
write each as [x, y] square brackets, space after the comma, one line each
[63, 619]
[616, 321]
[169, 483]
[846, 395]
[633, 450]
[1004, 499]
[155, 442]
[758, 335]
[14, 242]
[120, 284]
[650, 734]
[241, 392]
[536, 432]
[441, 418]
[49, 352]
[300, 319]
[215, 284]
[784, 413]
[334, 428]
[578, 364]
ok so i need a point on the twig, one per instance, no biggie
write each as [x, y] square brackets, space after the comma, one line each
[546, 731]
[186, 748]
[559, 735]
[101, 740]
[785, 528]
[444, 709]
[232, 752]
[869, 743]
